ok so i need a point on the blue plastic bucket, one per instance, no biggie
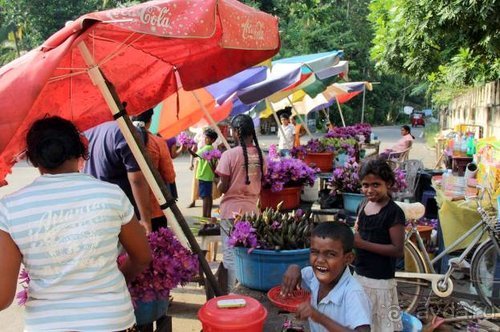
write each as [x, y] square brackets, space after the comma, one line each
[264, 269]
[148, 312]
[411, 323]
[352, 201]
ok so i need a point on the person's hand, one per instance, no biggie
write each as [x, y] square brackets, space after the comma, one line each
[291, 280]
[216, 179]
[147, 226]
[358, 240]
[305, 311]
[183, 148]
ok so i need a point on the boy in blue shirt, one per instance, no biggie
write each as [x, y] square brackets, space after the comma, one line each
[205, 174]
[338, 301]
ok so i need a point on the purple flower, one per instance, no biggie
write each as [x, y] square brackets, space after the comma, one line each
[287, 172]
[346, 178]
[24, 276]
[354, 131]
[22, 296]
[24, 281]
[243, 235]
[185, 140]
[400, 181]
[172, 265]
[273, 152]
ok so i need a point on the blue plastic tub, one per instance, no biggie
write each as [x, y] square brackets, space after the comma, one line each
[148, 312]
[411, 323]
[264, 269]
[352, 201]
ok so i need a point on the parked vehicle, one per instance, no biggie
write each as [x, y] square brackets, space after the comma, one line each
[417, 119]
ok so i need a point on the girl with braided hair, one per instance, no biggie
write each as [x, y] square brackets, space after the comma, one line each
[241, 170]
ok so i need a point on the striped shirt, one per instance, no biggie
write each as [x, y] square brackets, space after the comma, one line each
[66, 227]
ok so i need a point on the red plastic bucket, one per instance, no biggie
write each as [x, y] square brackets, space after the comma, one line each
[290, 197]
[249, 318]
[322, 160]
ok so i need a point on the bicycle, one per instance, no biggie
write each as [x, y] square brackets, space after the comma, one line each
[419, 269]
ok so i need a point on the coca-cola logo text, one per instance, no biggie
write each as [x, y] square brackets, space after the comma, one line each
[253, 30]
[155, 16]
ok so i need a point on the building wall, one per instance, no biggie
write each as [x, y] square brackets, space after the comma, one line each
[479, 106]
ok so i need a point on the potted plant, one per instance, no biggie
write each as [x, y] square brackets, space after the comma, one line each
[345, 180]
[266, 244]
[355, 131]
[283, 181]
[320, 152]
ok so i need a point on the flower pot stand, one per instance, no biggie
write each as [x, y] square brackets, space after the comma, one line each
[264, 269]
[322, 160]
[289, 196]
[352, 201]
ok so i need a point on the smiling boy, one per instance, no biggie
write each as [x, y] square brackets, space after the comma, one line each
[338, 301]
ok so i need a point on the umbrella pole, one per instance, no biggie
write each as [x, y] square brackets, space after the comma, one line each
[340, 112]
[300, 117]
[162, 193]
[363, 106]
[211, 119]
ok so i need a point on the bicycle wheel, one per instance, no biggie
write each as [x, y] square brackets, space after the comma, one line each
[410, 290]
[485, 274]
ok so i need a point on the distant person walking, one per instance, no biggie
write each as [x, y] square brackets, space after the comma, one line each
[285, 136]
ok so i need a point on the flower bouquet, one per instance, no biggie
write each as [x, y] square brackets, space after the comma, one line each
[346, 179]
[186, 141]
[212, 157]
[271, 230]
[287, 172]
[172, 265]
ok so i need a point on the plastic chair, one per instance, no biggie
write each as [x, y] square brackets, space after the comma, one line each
[411, 168]
[400, 156]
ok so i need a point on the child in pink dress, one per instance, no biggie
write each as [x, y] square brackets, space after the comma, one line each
[240, 170]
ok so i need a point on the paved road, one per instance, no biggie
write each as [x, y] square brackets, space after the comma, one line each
[189, 299]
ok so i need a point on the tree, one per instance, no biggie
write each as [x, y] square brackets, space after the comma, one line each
[450, 44]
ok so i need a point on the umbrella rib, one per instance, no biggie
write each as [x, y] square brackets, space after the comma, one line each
[61, 77]
[124, 44]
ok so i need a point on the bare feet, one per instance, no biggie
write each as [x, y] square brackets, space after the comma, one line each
[192, 205]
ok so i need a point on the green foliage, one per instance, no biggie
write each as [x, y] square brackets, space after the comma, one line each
[450, 44]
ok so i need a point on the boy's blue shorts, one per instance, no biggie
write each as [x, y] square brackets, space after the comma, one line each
[205, 188]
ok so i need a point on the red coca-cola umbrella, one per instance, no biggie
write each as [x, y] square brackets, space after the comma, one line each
[139, 55]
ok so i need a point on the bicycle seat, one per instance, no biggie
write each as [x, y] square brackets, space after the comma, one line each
[412, 210]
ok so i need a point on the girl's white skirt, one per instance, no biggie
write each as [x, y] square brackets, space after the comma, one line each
[386, 313]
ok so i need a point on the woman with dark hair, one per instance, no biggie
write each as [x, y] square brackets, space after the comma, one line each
[240, 170]
[403, 144]
[65, 228]
[161, 159]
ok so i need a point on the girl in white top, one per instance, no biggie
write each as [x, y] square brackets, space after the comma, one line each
[65, 228]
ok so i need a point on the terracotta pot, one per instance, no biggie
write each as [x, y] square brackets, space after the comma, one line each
[289, 196]
[322, 160]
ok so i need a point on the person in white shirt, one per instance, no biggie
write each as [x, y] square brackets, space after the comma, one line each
[285, 143]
